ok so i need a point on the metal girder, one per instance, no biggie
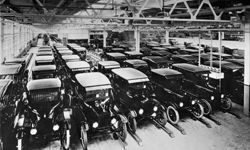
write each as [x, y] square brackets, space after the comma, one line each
[91, 6]
[142, 7]
[41, 5]
[110, 17]
[210, 6]
[55, 9]
[100, 12]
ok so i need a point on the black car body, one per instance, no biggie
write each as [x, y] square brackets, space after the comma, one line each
[137, 64]
[43, 114]
[132, 94]
[133, 55]
[119, 57]
[167, 85]
[236, 61]
[185, 58]
[204, 57]
[196, 82]
[155, 62]
[161, 53]
[105, 67]
[224, 56]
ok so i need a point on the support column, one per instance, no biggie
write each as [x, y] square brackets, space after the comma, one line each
[105, 35]
[1, 40]
[167, 37]
[246, 69]
[12, 53]
[137, 39]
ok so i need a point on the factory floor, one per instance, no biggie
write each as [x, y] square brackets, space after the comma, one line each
[232, 134]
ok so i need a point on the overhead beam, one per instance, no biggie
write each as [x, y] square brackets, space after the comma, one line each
[2, 1]
[41, 5]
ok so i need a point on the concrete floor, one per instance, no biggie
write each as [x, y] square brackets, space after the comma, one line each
[233, 134]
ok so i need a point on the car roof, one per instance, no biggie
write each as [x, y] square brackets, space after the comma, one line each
[4, 83]
[118, 49]
[80, 49]
[109, 64]
[116, 54]
[236, 61]
[133, 53]
[136, 62]
[131, 75]
[185, 56]
[166, 72]
[66, 52]
[70, 57]
[222, 54]
[44, 58]
[155, 59]
[161, 52]
[159, 48]
[44, 53]
[191, 68]
[44, 67]
[15, 60]
[62, 48]
[78, 65]
[204, 56]
[10, 69]
[225, 65]
[93, 81]
[47, 83]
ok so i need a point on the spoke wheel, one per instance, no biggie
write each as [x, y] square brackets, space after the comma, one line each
[162, 117]
[132, 124]
[226, 104]
[198, 110]
[84, 138]
[65, 139]
[173, 115]
[206, 106]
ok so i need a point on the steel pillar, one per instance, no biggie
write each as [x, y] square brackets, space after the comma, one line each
[167, 36]
[137, 39]
[1, 40]
[105, 35]
[246, 69]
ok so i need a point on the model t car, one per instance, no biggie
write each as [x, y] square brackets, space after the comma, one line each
[105, 67]
[70, 58]
[137, 64]
[44, 71]
[42, 114]
[190, 59]
[196, 82]
[232, 84]
[94, 108]
[132, 94]
[157, 62]
[167, 85]
[119, 57]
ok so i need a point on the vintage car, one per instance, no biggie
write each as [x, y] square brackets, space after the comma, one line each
[117, 50]
[137, 64]
[49, 53]
[196, 82]
[7, 109]
[204, 57]
[80, 51]
[161, 53]
[224, 56]
[189, 51]
[119, 57]
[173, 49]
[132, 92]
[94, 108]
[167, 85]
[145, 51]
[133, 55]
[43, 114]
[75, 67]
[44, 71]
[185, 58]
[159, 49]
[155, 62]
[65, 52]
[105, 67]
[233, 82]
[13, 72]
[44, 60]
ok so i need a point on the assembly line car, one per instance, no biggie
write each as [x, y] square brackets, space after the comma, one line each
[185, 58]
[44, 71]
[168, 90]
[132, 92]
[44, 60]
[105, 67]
[133, 55]
[232, 84]
[155, 62]
[137, 64]
[43, 114]
[119, 57]
[196, 82]
[93, 107]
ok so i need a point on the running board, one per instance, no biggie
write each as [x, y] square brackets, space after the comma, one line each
[158, 125]
[136, 138]
[234, 114]
[210, 117]
[179, 128]
[202, 121]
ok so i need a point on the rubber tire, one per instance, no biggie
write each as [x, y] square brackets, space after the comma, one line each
[132, 124]
[206, 104]
[66, 144]
[163, 118]
[176, 113]
[229, 104]
[84, 138]
[124, 132]
[200, 107]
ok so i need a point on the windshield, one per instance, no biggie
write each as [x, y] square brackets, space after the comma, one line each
[174, 84]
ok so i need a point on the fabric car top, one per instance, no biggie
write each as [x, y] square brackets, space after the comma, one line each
[80, 49]
[10, 69]
[236, 61]
[116, 55]
[71, 57]
[162, 53]
[44, 58]
[159, 48]
[83, 65]
[4, 83]
[134, 53]
[62, 49]
[44, 53]
[43, 84]
[93, 81]
[222, 54]
[136, 62]
[66, 52]
[156, 59]
[117, 49]
[44, 68]
[131, 75]
[109, 64]
[166, 72]
[185, 57]
[15, 61]
[204, 56]
[225, 65]
[191, 68]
